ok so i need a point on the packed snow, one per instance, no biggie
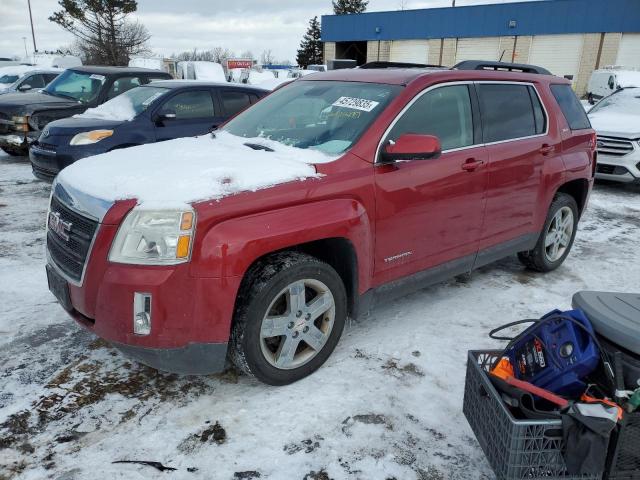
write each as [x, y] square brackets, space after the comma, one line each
[199, 168]
[256, 78]
[119, 109]
[387, 404]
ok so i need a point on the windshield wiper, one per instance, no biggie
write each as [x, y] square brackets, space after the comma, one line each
[257, 146]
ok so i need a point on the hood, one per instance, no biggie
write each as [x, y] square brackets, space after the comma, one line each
[25, 102]
[178, 172]
[68, 126]
[616, 124]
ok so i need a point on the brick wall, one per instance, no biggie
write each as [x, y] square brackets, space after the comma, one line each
[329, 51]
[372, 51]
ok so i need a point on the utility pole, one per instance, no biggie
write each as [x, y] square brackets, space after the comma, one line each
[33, 35]
[453, 3]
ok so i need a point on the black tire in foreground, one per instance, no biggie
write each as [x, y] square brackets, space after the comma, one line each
[289, 316]
[557, 236]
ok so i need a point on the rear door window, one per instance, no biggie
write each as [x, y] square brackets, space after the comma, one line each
[234, 101]
[508, 112]
[121, 85]
[35, 81]
[571, 108]
[444, 112]
[190, 105]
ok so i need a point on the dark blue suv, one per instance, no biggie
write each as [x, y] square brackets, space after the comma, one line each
[161, 110]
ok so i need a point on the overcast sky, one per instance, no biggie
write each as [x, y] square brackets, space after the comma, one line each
[181, 25]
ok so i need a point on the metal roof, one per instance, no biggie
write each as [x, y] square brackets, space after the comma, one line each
[531, 18]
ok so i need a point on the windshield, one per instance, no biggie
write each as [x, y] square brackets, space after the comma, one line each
[623, 101]
[323, 115]
[8, 79]
[80, 86]
[127, 105]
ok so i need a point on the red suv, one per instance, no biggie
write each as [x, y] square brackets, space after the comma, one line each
[426, 174]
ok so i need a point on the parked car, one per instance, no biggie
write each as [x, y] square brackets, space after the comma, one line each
[158, 111]
[616, 120]
[606, 81]
[338, 190]
[24, 116]
[201, 70]
[23, 78]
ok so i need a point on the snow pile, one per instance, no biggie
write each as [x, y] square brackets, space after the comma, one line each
[628, 79]
[256, 78]
[273, 83]
[118, 109]
[184, 170]
[156, 63]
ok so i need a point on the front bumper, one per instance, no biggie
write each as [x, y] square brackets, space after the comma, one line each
[192, 359]
[47, 159]
[624, 168]
[18, 140]
[190, 316]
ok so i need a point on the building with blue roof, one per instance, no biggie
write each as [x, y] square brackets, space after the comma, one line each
[571, 38]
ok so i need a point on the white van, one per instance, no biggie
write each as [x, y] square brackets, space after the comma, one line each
[608, 80]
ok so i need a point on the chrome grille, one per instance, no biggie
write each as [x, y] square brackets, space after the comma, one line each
[614, 146]
[70, 255]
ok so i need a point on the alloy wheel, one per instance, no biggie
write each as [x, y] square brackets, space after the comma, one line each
[297, 324]
[559, 234]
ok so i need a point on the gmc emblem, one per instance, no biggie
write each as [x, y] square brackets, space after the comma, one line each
[60, 227]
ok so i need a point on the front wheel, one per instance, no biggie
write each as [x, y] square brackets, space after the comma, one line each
[557, 237]
[290, 315]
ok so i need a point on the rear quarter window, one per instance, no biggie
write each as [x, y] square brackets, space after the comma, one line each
[571, 108]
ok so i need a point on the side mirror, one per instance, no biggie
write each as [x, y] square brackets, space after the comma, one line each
[411, 146]
[164, 116]
[25, 87]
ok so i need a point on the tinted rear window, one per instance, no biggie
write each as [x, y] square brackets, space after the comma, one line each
[571, 107]
[508, 112]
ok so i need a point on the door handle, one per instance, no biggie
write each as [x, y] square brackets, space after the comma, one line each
[547, 149]
[471, 164]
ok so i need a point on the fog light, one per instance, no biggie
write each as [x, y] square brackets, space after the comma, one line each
[142, 313]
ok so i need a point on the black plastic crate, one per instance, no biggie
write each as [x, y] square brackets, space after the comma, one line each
[516, 449]
[625, 460]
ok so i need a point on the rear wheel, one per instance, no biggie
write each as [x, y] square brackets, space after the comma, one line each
[290, 315]
[557, 237]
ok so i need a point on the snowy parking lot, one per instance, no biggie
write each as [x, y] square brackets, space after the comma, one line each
[386, 405]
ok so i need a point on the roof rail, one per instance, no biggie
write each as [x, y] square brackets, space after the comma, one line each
[510, 67]
[370, 65]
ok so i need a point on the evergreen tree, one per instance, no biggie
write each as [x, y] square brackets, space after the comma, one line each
[310, 51]
[344, 7]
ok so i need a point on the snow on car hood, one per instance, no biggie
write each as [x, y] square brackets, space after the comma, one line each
[616, 124]
[177, 172]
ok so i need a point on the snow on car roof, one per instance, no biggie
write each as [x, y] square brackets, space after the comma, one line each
[178, 172]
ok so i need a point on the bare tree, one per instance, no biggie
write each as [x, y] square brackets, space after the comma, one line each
[103, 31]
[266, 57]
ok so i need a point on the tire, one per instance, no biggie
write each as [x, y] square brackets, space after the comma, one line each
[557, 236]
[273, 286]
[590, 99]
[11, 152]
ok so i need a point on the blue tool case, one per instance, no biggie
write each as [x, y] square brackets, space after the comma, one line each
[556, 353]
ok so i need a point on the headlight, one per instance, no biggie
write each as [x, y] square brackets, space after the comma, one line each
[20, 119]
[87, 138]
[154, 237]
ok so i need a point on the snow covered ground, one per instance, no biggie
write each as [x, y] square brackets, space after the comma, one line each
[386, 405]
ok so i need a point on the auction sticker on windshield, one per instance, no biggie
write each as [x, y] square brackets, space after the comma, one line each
[95, 76]
[356, 103]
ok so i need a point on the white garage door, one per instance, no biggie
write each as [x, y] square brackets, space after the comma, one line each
[411, 51]
[484, 48]
[560, 54]
[629, 53]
